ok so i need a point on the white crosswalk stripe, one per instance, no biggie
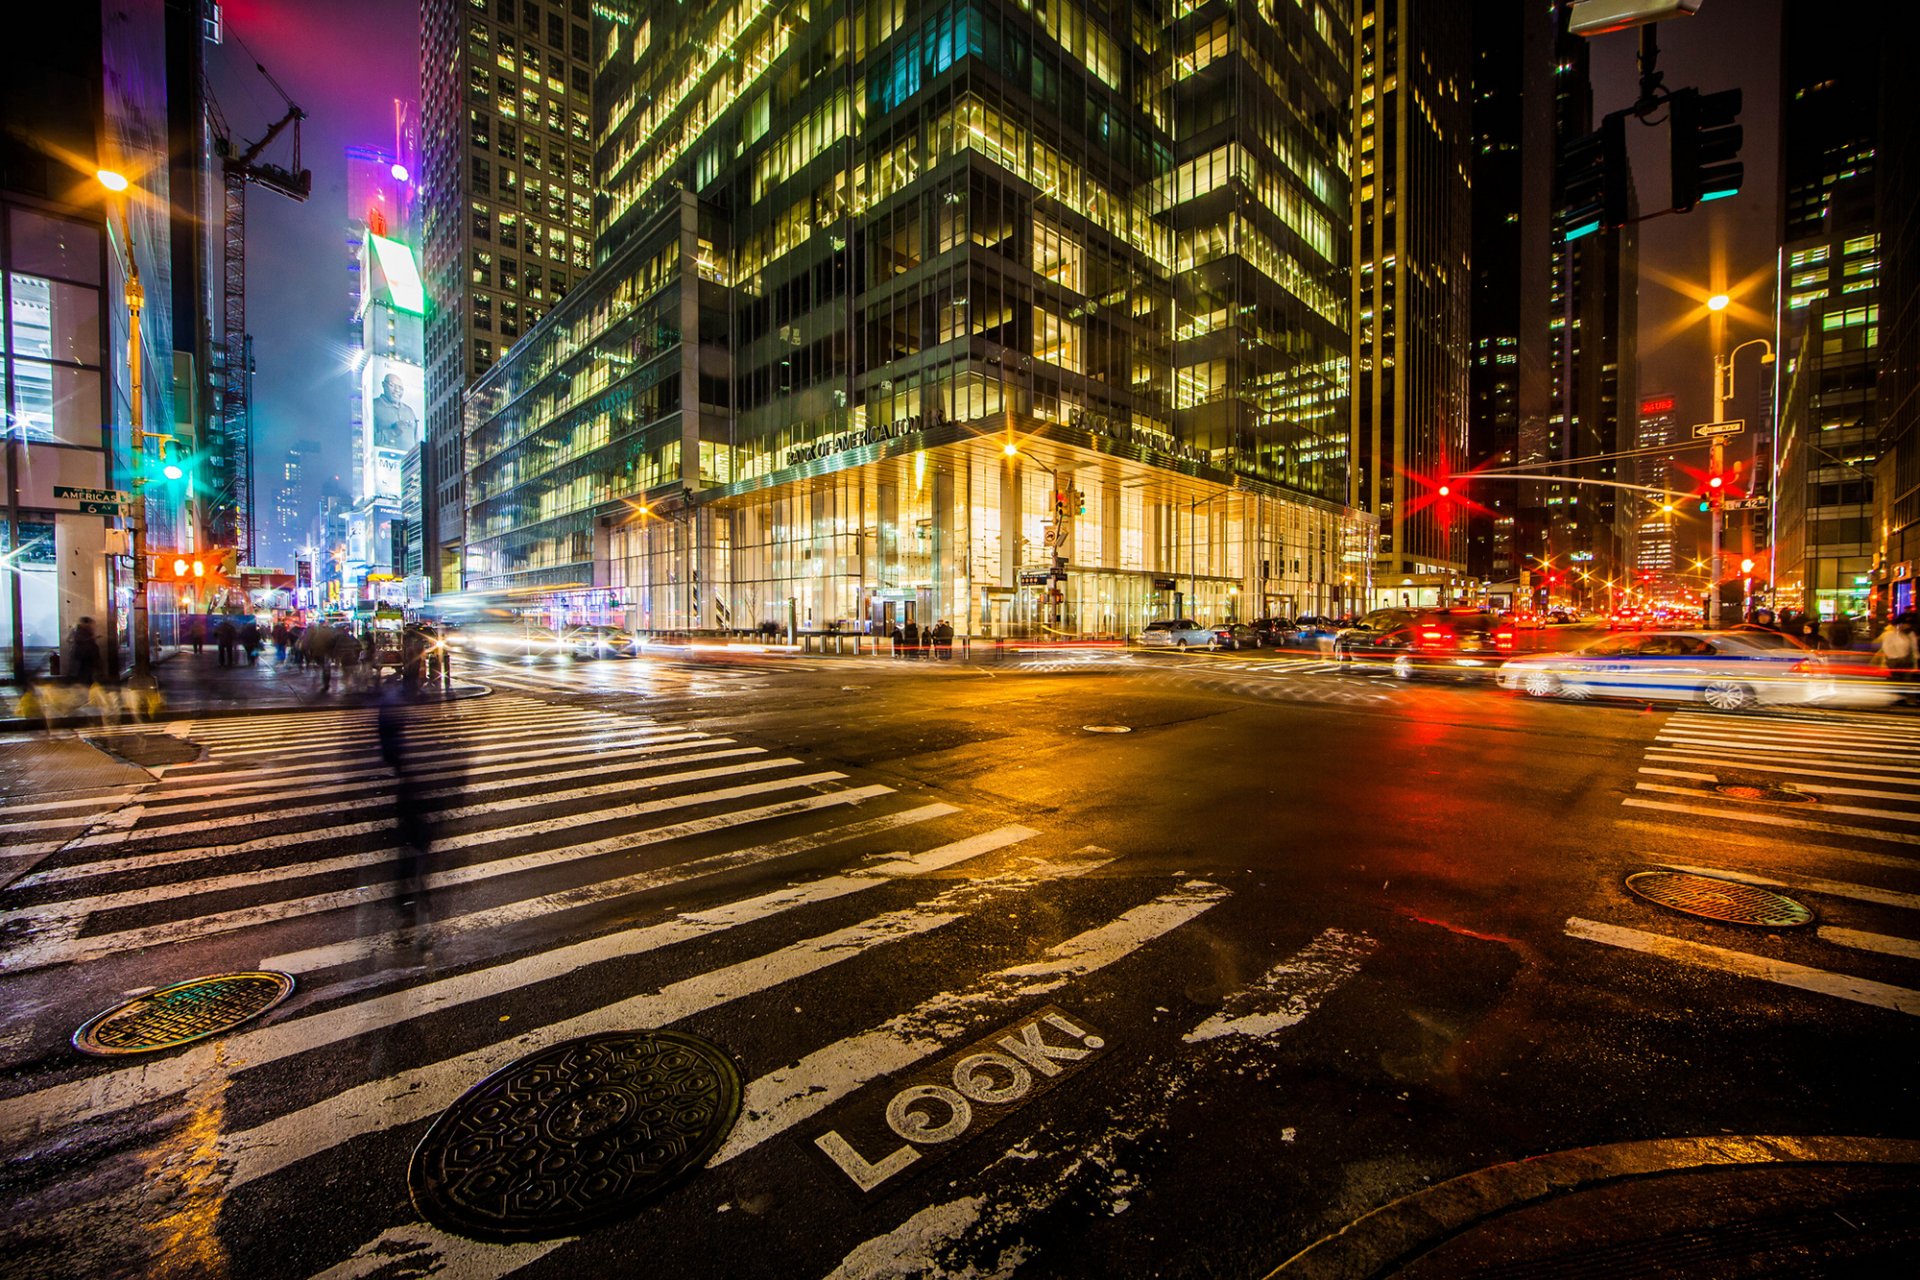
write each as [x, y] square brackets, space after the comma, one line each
[1774, 793]
[278, 850]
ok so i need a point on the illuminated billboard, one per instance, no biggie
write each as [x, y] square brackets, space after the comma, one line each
[396, 276]
[393, 395]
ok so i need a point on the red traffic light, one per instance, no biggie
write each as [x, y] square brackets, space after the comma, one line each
[1716, 482]
[1446, 491]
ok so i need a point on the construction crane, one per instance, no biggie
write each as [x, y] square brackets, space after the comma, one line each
[230, 473]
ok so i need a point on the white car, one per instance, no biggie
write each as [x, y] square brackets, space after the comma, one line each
[1179, 633]
[1726, 670]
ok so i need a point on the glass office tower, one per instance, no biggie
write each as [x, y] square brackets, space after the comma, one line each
[1025, 316]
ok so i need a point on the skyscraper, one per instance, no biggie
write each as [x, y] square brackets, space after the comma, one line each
[1897, 479]
[1829, 317]
[508, 220]
[1412, 245]
[1030, 318]
[1656, 551]
[295, 499]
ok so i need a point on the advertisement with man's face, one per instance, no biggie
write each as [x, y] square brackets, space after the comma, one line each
[394, 397]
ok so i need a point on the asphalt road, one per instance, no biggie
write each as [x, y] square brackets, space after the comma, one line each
[1312, 942]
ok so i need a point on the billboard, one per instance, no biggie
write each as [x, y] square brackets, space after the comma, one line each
[393, 396]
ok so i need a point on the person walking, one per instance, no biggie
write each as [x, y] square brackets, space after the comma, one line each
[225, 637]
[83, 654]
[296, 642]
[250, 640]
[913, 639]
[943, 640]
[409, 807]
[899, 641]
[197, 632]
[279, 641]
[320, 639]
[1899, 649]
[1838, 633]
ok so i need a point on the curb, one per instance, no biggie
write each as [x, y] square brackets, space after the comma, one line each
[16, 724]
[1380, 1242]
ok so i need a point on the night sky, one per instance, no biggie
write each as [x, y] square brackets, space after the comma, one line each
[346, 60]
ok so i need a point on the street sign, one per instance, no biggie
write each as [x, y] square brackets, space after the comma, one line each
[100, 509]
[91, 495]
[1758, 502]
[1707, 430]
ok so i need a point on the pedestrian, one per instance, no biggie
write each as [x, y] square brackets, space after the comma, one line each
[250, 640]
[409, 808]
[319, 645]
[196, 632]
[899, 641]
[913, 638]
[943, 640]
[346, 651]
[83, 654]
[226, 638]
[1899, 649]
[296, 642]
[280, 637]
[1838, 632]
[413, 660]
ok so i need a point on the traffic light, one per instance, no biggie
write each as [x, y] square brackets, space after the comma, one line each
[1716, 489]
[1706, 146]
[1059, 505]
[1594, 180]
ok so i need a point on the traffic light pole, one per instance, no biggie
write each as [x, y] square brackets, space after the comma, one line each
[142, 641]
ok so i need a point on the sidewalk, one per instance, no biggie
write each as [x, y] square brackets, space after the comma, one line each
[1731, 1206]
[196, 687]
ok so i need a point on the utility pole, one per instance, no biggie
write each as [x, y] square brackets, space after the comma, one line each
[1715, 497]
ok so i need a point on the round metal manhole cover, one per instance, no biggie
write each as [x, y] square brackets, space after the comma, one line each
[574, 1135]
[1760, 791]
[182, 1013]
[1106, 728]
[1726, 901]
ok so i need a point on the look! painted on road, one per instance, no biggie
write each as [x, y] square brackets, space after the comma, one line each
[877, 1136]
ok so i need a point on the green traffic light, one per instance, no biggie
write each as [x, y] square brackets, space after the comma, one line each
[1704, 506]
[172, 471]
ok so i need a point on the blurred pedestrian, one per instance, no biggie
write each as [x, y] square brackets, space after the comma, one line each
[320, 639]
[197, 631]
[250, 640]
[226, 638]
[1838, 632]
[913, 638]
[346, 652]
[83, 653]
[296, 642]
[413, 659]
[280, 636]
[899, 641]
[409, 808]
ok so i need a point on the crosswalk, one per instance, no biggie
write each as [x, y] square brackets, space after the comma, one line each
[1823, 808]
[903, 926]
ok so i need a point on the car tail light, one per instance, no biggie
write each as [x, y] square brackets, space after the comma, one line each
[1503, 639]
[1434, 637]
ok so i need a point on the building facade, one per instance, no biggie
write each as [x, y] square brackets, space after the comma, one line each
[1412, 290]
[1829, 319]
[1656, 536]
[1029, 319]
[506, 88]
[1896, 524]
[73, 358]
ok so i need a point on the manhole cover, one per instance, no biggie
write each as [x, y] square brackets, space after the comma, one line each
[182, 1013]
[574, 1135]
[1107, 728]
[1724, 900]
[1751, 791]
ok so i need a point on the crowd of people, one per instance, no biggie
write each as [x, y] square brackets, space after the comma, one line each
[332, 650]
[910, 641]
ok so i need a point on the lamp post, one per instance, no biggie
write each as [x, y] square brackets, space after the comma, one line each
[1057, 570]
[1723, 392]
[142, 678]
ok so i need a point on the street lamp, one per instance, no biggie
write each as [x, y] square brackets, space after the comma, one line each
[1057, 573]
[117, 183]
[1718, 302]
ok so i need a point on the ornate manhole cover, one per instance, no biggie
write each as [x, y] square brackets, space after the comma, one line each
[182, 1013]
[1760, 791]
[574, 1135]
[1106, 728]
[1727, 901]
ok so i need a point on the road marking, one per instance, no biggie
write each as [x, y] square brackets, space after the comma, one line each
[1772, 820]
[1781, 972]
[149, 825]
[444, 930]
[1284, 995]
[1687, 758]
[1851, 811]
[1873, 731]
[106, 800]
[486, 762]
[103, 1095]
[60, 945]
[284, 840]
[1806, 884]
[1905, 948]
[780, 1099]
[1682, 773]
[417, 1249]
[1747, 744]
[517, 727]
[417, 1093]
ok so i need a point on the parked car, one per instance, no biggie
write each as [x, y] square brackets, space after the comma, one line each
[1235, 635]
[1460, 642]
[1726, 670]
[1272, 633]
[1176, 633]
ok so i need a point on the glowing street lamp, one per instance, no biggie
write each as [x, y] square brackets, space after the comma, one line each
[1718, 302]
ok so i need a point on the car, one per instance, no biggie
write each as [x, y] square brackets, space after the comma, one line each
[1459, 642]
[603, 642]
[1311, 632]
[1235, 635]
[1272, 633]
[1726, 670]
[1176, 633]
